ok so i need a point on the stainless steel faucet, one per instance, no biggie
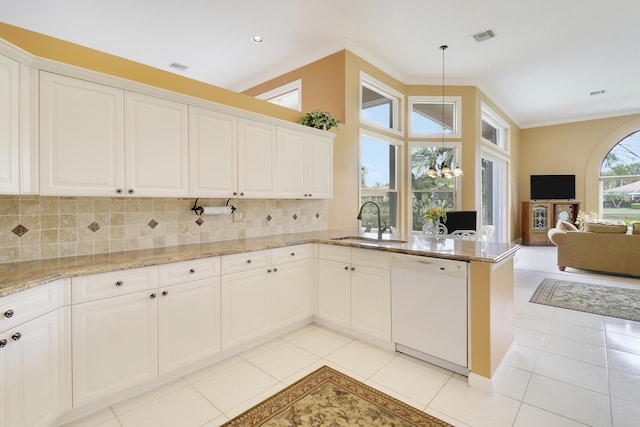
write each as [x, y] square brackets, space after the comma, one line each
[381, 228]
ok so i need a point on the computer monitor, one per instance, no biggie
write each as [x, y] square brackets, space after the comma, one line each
[460, 220]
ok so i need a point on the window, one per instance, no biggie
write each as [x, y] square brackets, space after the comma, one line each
[289, 95]
[494, 131]
[380, 105]
[620, 178]
[379, 180]
[427, 192]
[427, 117]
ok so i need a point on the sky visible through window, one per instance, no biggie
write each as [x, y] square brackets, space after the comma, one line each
[375, 161]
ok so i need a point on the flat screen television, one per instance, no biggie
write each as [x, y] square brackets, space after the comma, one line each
[553, 187]
[460, 220]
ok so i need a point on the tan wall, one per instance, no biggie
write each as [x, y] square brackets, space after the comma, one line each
[573, 148]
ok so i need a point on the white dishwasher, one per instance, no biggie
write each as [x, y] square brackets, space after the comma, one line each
[429, 310]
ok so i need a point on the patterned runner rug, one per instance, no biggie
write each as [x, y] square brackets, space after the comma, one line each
[609, 301]
[327, 397]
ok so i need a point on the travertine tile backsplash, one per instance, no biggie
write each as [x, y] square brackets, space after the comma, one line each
[34, 227]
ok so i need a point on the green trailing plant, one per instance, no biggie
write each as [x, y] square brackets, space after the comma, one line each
[319, 120]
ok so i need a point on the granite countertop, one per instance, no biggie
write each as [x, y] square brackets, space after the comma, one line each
[19, 276]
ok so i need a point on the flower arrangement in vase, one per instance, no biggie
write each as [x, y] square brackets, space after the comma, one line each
[433, 215]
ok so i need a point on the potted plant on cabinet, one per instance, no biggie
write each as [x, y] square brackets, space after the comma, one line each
[319, 120]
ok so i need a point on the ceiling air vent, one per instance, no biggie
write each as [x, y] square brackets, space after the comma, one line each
[178, 66]
[484, 35]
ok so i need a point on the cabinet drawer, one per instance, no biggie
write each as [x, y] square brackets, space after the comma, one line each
[335, 253]
[244, 261]
[371, 258]
[188, 271]
[290, 254]
[23, 306]
[105, 285]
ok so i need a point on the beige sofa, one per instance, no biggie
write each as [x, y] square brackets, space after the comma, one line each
[599, 251]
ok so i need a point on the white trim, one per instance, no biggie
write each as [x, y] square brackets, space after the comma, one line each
[457, 115]
[285, 89]
[490, 385]
[494, 119]
[396, 98]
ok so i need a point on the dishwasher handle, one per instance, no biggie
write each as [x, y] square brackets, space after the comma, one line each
[425, 264]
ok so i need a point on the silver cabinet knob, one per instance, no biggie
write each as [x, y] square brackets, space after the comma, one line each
[353, 269]
[16, 336]
[310, 195]
[293, 254]
[130, 191]
[235, 193]
[153, 295]
[269, 271]
[275, 270]
[8, 314]
[3, 343]
[119, 283]
[248, 261]
[165, 293]
[242, 193]
[193, 270]
[346, 267]
[119, 190]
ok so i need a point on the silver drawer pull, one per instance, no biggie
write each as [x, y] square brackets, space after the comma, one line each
[119, 283]
[8, 314]
[193, 270]
[152, 296]
[248, 261]
[16, 336]
[293, 254]
[3, 343]
[165, 293]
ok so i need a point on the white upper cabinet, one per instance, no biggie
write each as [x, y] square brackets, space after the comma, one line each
[97, 140]
[213, 158]
[256, 159]
[305, 165]
[81, 137]
[9, 125]
[156, 146]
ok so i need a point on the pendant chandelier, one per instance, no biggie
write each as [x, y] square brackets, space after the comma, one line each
[445, 169]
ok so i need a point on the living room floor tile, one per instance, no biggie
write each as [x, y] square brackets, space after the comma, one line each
[623, 343]
[623, 361]
[577, 332]
[585, 352]
[572, 371]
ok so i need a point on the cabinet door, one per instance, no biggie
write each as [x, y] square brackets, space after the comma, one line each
[213, 157]
[115, 345]
[319, 168]
[9, 125]
[371, 302]
[334, 292]
[290, 177]
[189, 323]
[81, 137]
[244, 307]
[33, 374]
[290, 293]
[256, 159]
[156, 147]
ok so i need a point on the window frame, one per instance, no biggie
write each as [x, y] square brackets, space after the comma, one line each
[280, 91]
[488, 115]
[437, 100]
[397, 104]
[457, 192]
[399, 144]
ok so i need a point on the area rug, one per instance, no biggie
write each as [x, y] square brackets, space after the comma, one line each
[327, 397]
[609, 301]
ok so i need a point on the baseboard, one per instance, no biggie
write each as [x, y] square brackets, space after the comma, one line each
[490, 385]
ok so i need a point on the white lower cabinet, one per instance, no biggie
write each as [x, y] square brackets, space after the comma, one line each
[115, 345]
[189, 323]
[131, 326]
[264, 291]
[32, 372]
[354, 290]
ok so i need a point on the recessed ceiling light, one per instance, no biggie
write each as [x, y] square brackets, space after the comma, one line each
[178, 66]
[257, 39]
[597, 92]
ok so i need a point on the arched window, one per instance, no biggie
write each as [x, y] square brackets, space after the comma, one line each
[620, 178]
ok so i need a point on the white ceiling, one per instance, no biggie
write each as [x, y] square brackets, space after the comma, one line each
[547, 57]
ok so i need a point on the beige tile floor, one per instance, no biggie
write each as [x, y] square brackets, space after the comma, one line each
[570, 369]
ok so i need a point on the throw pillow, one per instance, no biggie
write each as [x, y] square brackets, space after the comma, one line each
[636, 227]
[595, 227]
[566, 226]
